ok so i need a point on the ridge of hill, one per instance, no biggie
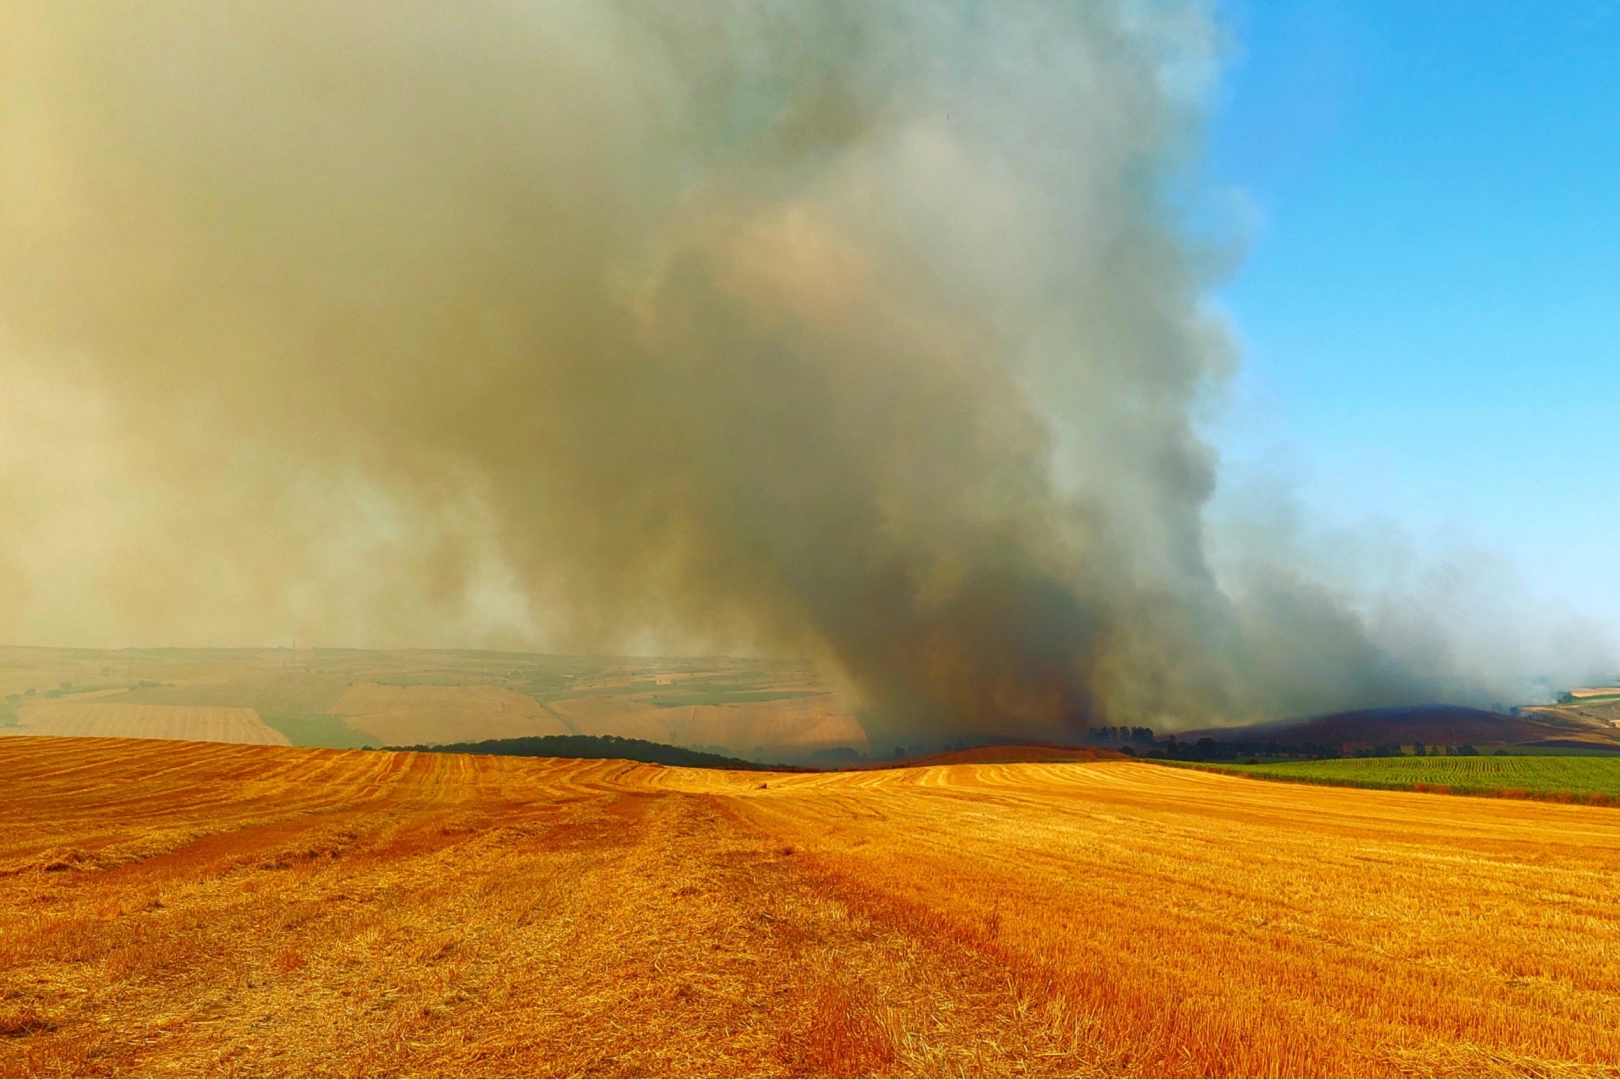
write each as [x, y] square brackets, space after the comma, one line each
[999, 754]
[599, 746]
[1434, 725]
[612, 747]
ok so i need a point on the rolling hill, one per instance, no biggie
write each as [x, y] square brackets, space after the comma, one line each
[1432, 725]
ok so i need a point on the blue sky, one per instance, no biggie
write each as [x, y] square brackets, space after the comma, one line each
[1430, 301]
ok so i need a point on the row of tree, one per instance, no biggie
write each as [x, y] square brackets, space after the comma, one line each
[1109, 736]
[1209, 749]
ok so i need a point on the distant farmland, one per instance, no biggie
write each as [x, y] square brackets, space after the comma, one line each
[209, 909]
[345, 698]
[1532, 775]
[99, 718]
[426, 713]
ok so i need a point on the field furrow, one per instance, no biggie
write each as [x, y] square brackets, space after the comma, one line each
[211, 909]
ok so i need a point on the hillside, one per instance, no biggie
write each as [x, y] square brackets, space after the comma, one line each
[602, 747]
[69, 716]
[1594, 712]
[1432, 725]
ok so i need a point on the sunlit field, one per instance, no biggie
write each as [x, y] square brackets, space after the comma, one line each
[187, 908]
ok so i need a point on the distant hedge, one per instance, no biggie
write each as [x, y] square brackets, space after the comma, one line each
[596, 746]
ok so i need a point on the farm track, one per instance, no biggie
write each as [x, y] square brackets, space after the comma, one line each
[209, 909]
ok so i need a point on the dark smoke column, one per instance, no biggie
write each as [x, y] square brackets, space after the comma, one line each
[854, 330]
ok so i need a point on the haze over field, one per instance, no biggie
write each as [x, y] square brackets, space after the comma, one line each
[869, 333]
[757, 709]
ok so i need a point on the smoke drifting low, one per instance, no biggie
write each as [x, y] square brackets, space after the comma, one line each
[850, 330]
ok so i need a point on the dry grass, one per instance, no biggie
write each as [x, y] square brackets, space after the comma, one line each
[89, 715]
[215, 909]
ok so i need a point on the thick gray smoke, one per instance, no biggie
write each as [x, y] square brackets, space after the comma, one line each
[862, 331]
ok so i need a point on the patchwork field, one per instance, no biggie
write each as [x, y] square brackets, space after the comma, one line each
[215, 909]
[767, 710]
[1536, 775]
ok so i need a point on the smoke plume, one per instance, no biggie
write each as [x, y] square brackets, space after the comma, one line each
[859, 331]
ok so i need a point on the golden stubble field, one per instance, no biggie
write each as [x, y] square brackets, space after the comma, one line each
[210, 909]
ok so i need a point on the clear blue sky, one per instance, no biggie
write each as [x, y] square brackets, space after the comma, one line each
[1430, 303]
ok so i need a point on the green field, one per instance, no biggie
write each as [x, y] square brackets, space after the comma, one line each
[1534, 776]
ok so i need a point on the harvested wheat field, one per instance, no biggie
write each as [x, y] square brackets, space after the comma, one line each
[214, 909]
[95, 717]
